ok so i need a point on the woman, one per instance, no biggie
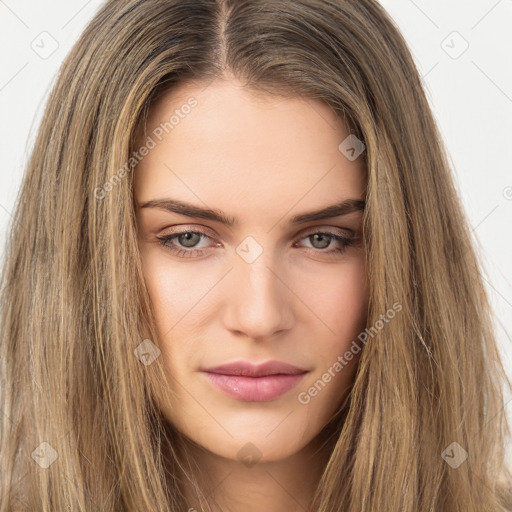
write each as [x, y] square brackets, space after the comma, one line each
[239, 276]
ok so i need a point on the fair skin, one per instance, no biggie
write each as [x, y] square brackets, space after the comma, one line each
[262, 160]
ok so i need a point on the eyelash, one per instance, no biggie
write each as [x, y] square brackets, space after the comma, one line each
[184, 253]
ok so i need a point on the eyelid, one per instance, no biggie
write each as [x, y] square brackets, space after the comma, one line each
[324, 228]
[302, 233]
[189, 229]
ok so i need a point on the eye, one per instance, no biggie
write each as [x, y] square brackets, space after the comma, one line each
[321, 240]
[188, 238]
[184, 244]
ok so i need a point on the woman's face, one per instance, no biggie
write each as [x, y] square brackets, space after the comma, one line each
[272, 285]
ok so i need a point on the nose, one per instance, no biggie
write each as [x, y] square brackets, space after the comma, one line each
[260, 301]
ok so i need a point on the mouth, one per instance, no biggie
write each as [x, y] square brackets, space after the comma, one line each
[255, 383]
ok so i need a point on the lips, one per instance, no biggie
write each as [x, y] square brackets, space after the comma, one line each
[247, 369]
[255, 383]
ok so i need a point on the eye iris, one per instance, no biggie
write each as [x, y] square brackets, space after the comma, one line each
[189, 239]
[321, 236]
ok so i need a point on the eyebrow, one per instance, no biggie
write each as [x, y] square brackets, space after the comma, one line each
[344, 207]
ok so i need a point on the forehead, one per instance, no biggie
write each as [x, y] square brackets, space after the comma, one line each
[220, 143]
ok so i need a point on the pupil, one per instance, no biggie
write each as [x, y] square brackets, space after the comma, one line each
[320, 236]
[187, 237]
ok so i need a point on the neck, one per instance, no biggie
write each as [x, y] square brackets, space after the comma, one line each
[234, 485]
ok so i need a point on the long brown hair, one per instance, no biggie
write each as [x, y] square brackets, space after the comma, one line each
[80, 429]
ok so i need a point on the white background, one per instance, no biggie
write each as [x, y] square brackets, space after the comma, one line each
[470, 91]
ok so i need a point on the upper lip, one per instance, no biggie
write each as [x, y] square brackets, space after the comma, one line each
[247, 369]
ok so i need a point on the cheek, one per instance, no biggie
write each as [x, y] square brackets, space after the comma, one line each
[343, 307]
[349, 303]
[175, 290]
[181, 305]
[338, 295]
[352, 311]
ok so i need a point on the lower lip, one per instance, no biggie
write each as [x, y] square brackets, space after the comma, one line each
[254, 389]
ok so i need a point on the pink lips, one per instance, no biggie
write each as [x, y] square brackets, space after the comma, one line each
[255, 383]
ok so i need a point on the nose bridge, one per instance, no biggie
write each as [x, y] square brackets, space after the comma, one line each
[260, 302]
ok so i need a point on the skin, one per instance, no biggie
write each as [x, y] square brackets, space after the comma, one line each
[261, 159]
